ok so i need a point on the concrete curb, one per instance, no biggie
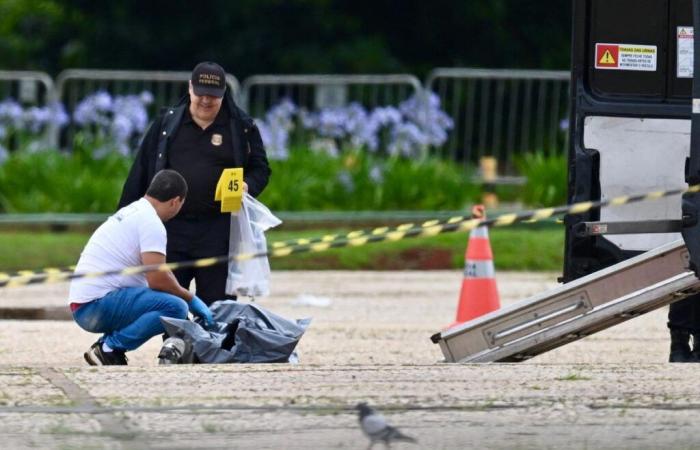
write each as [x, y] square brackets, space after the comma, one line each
[36, 313]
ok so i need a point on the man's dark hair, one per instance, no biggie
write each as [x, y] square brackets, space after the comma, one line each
[166, 185]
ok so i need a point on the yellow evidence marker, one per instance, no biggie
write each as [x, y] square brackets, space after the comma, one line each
[229, 190]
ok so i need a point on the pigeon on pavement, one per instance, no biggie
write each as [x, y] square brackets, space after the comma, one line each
[376, 428]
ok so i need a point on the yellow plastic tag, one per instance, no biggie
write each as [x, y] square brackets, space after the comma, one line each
[229, 190]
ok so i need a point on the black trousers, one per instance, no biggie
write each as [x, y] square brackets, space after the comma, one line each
[194, 238]
[685, 314]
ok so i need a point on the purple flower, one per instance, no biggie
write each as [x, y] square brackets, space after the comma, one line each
[36, 146]
[387, 115]
[356, 117]
[123, 148]
[345, 180]
[146, 98]
[11, 113]
[103, 101]
[283, 111]
[407, 140]
[306, 119]
[325, 145]
[35, 118]
[122, 128]
[275, 129]
[58, 115]
[265, 135]
[376, 174]
[358, 128]
[121, 118]
[380, 118]
[406, 131]
[281, 116]
[337, 122]
[275, 140]
[351, 124]
[94, 110]
[102, 151]
[131, 108]
[423, 110]
[331, 123]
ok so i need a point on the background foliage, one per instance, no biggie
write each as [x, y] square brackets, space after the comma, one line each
[274, 36]
[352, 159]
[53, 181]
[546, 179]
[356, 181]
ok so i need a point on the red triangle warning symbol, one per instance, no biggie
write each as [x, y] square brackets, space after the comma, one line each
[607, 58]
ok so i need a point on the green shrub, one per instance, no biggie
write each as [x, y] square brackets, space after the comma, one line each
[546, 179]
[356, 180]
[52, 181]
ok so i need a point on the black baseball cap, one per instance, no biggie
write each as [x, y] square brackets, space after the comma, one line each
[209, 78]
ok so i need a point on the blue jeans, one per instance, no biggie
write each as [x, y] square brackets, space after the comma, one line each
[129, 317]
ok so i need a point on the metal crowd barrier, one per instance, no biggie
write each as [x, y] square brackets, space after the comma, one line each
[499, 113]
[31, 88]
[260, 92]
[167, 87]
[502, 113]
[27, 88]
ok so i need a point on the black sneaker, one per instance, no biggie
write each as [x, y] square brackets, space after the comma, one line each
[682, 356]
[97, 357]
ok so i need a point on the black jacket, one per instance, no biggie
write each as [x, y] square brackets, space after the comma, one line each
[152, 155]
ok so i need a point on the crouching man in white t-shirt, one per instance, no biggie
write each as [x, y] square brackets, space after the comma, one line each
[127, 308]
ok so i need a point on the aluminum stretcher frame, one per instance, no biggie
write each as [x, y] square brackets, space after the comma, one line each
[574, 310]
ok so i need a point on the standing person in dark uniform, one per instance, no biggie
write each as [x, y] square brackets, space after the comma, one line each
[684, 322]
[200, 137]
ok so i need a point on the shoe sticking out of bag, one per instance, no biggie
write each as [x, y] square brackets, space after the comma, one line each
[98, 357]
[172, 350]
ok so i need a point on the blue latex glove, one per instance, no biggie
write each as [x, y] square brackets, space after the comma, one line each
[200, 309]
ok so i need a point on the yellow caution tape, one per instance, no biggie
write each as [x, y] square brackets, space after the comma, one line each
[354, 238]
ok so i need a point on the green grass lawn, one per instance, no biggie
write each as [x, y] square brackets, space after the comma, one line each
[524, 247]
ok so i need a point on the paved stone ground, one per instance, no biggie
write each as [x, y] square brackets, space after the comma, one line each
[370, 343]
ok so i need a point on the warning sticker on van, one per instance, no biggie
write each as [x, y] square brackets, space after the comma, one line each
[685, 52]
[625, 57]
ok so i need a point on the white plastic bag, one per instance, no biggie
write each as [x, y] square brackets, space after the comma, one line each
[250, 277]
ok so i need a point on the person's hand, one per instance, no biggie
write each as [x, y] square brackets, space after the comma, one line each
[201, 310]
[245, 187]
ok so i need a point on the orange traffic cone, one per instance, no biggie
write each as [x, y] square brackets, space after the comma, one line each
[479, 294]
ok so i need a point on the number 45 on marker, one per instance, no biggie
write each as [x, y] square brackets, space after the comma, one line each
[228, 190]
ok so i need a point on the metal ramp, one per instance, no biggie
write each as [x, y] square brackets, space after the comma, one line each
[574, 310]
